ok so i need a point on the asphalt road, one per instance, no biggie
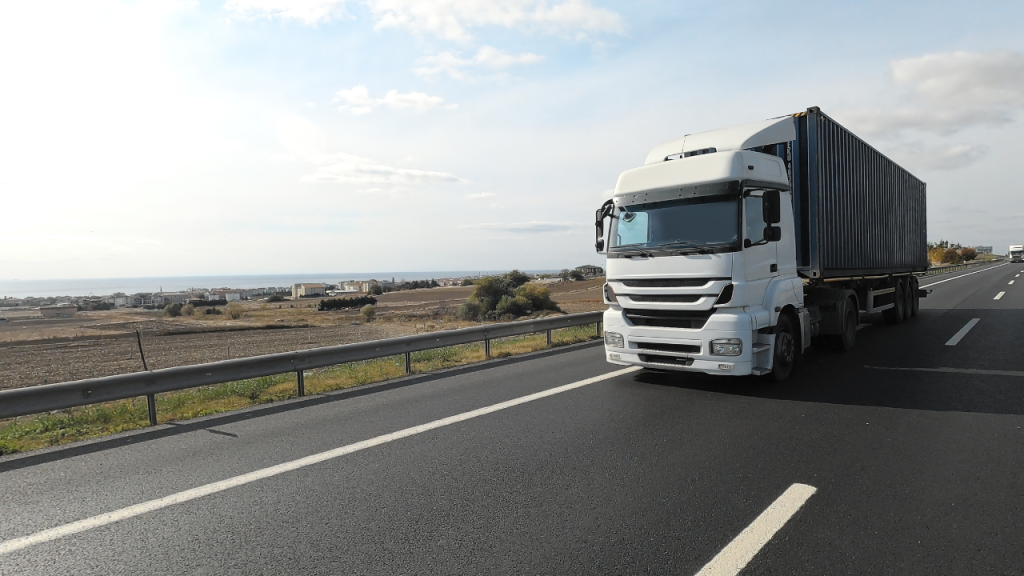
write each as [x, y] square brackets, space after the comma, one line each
[914, 447]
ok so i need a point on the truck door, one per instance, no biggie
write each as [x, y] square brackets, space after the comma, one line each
[760, 259]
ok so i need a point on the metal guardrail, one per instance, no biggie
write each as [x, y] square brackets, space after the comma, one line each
[47, 397]
[954, 268]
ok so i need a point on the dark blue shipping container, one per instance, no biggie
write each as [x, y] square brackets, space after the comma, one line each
[858, 213]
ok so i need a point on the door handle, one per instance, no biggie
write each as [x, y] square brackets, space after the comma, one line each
[774, 268]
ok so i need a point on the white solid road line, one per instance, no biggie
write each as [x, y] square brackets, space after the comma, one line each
[734, 557]
[138, 509]
[1011, 281]
[998, 296]
[963, 332]
[963, 275]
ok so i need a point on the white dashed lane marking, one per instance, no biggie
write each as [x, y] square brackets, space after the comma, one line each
[998, 296]
[963, 332]
[734, 557]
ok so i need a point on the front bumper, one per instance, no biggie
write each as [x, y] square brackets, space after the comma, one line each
[667, 344]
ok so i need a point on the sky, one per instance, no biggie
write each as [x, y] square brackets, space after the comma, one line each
[173, 138]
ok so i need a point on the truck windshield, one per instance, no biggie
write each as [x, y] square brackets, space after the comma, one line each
[702, 222]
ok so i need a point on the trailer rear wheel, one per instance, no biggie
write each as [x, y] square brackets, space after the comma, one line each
[894, 315]
[784, 352]
[908, 299]
[915, 298]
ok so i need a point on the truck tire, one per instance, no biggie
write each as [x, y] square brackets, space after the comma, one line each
[908, 299]
[845, 340]
[915, 298]
[894, 315]
[784, 351]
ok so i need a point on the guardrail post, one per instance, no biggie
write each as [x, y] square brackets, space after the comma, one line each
[549, 337]
[302, 383]
[151, 405]
[408, 363]
[598, 329]
[487, 348]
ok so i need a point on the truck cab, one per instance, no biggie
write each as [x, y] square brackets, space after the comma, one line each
[1016, 253]
[701, 258]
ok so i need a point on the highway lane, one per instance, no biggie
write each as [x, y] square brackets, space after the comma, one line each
[916, 471]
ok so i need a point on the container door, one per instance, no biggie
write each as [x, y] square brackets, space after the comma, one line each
[760, 260]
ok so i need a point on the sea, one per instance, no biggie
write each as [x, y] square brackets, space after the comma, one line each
[74, 287]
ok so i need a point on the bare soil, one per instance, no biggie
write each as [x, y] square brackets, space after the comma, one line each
[37, 351]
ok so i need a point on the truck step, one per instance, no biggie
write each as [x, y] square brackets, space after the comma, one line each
[757, 371]
[760, 347]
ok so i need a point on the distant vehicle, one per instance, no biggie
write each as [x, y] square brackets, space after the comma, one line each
[729, 250]
[1016, 252]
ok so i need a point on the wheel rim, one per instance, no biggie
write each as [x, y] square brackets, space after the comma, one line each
[784, 345]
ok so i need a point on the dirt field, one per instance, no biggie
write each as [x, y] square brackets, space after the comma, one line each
[36, 351]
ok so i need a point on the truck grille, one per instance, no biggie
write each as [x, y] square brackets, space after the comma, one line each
[668, 318]
[668, 282]
[680, 348]
[658, 359]
[674, 298]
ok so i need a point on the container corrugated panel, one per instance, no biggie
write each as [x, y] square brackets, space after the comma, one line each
[860, 213]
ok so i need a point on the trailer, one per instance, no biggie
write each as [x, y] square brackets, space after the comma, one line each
[729, 251]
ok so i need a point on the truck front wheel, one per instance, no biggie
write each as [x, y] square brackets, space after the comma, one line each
[784, 354]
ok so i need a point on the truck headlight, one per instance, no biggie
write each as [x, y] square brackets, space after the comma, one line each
[614, 340]
[727, 347]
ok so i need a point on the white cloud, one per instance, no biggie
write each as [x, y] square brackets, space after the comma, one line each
[488, 56]
[344, 168]
[940, 157]
[306, 11]
[451, 19]
[479, 196]
[525, 227]
[949, 92]
[358, 101]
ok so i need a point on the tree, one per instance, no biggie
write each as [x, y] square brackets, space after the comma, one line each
[368, 312]
[968, 254]
[467, 282]
[172, 310]
[375, 289]
[576, 275]
[564, 274]
[506, 294]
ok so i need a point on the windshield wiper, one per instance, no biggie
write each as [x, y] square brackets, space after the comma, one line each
[629, 253]
[676, 243]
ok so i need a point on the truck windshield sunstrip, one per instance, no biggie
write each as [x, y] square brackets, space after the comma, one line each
[706, 223]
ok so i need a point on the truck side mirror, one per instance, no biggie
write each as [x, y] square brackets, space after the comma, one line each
[603, 212]
[771, 207]
[772, 233]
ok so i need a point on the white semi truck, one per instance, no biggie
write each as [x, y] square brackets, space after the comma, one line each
[1016, 253]
[729, 250]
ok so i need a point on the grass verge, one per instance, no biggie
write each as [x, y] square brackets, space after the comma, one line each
[55, 428]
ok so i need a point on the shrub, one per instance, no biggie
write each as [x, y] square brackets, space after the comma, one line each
[375, 289]
[368, 311]
[209, 302]
[968, 254]
[275, 298]
[506, 295]
[576, 275]
[342, 303]
[467, 282]
[471, 310]
[215, 311]
[538, 296]
[235, 310]
[172, 310]
[188, 310]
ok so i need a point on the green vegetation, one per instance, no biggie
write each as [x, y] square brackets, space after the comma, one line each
[275, 298]
[172, 310]
[942, 252]
[345, 303]
[368, 312]
[33, 432]
[507, 295]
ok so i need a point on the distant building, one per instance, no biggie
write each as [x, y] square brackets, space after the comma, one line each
[590, 270]
[58, 311]
[983, 249]
[307, 290]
